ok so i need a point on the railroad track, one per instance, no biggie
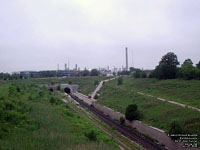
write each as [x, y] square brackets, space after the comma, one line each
[131, 134]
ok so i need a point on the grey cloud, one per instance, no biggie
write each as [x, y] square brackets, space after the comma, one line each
[39, 34]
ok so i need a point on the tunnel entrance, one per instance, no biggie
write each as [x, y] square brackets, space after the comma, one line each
[51, 89]
[67, 90]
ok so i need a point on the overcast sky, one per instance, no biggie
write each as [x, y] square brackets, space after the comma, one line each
[39, 34]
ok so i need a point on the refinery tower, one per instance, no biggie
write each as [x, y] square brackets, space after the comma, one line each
[126, 59]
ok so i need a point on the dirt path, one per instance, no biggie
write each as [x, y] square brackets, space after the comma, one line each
[140, 93]
[100, 85]
[169, 101]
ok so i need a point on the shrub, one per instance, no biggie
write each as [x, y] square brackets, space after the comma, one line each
[113, 128]
[96, 96]
[120, 81]
[12, 91]
[132, 112]
[55, 100]
[91, 135]
[137, 74]
[58, 88]
[96, 82]
[52, 100]
[122, 120]
[2, 98]
[18, 90]
[176, 128]
[41, 94]
[143, 74]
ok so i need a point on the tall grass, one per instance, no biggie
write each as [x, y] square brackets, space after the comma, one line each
[183, 91]
[154, 112]
[32, 118]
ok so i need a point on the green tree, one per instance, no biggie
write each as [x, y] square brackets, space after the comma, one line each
[198, 74]
[198, 65]
[132, 112]
[188, 72]
[167, 67]
[187, 62]
[15, 76]
[143, 74]
[137, 73]
[84, 73]
[94, 72]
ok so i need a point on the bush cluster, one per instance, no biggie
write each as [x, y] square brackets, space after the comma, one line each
[13, 111]
[139, 74]
[55, 100]
[91, 135]
[176, 128]
[120, 81]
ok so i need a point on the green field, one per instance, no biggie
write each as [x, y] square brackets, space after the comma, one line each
[182, 91]
[33, 118]
[86, 84]
[153, 112]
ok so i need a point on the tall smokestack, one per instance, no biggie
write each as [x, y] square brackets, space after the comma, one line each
[65, 66]
[126, 59]
[58, 67]
[68, 64]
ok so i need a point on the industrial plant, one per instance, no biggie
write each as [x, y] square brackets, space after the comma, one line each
[67, 72]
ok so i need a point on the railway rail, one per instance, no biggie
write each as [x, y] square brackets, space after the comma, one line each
[131, 134]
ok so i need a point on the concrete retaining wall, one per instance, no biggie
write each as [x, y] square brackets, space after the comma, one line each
[155, 133]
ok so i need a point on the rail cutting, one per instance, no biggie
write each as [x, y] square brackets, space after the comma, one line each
[131, 134]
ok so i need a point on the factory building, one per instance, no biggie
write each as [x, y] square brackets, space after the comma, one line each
[48, 73]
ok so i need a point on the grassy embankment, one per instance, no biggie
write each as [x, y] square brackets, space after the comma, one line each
[154, 112]
[33, 118]
[86, 84]
[182, 91]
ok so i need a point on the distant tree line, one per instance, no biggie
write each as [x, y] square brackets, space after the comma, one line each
[47, 74]
[169, 68]
[125, 72]
[7, 76]
[93, 72]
